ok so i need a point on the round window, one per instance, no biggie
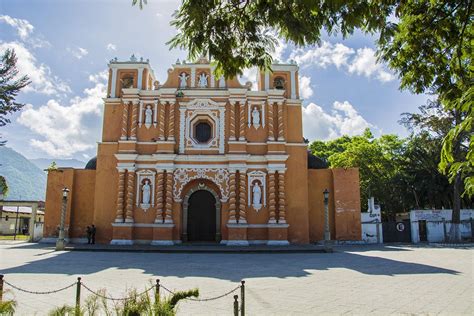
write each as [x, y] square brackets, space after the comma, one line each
[202, 132]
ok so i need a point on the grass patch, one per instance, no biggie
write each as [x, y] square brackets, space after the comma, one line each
[11, 237]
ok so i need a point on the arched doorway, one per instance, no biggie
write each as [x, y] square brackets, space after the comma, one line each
[201, 215]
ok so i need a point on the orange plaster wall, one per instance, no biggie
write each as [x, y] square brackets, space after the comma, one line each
[82, 208]
[347, 204]
[105, 192]
[318, 181]
[296, 187]
[57, 180]
[112, 123]
[294, 124]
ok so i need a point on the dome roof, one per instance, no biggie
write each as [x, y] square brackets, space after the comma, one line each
[315, 162]
[91, 164]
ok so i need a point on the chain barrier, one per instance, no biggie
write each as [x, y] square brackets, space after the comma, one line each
[203, 299]
[39, 292]
[113, 298]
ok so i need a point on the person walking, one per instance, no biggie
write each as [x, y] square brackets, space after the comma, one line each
[89, 235]
[93, 231]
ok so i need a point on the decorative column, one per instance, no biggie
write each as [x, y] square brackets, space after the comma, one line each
[232, 120]
[242, 121]
[281, 131]
[242, 196]
[171, 122]
[293, 84]
[221, 130]
[169, 197]
[140, 78]
[272, 198]
[271, 131]
[232, 198]
[124, 135]
[281, 198]
[130, 186]
[114, 83]
[140, 114]
[161, 122]
[182, 115]
[120, 196]
[155, 113]
[133, 130]
[159, 188]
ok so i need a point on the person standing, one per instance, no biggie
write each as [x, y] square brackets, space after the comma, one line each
[93, 231]
[89, 235]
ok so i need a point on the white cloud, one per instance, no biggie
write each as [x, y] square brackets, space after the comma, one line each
[306, 90]
[325, 55]
[23, 27]
[78, 52]
[365, 63]
[42, 80]
[63, 127]
[111, 47]
[343, 120]
[361, 62]
[250, 74]
[280, 47]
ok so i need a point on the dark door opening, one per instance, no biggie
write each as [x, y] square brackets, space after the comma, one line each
[423, 232]
[202, 217]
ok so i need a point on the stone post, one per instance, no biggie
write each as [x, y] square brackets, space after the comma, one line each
[120, 196]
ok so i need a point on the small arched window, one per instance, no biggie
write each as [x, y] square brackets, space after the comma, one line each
[279, 83]
[127, 82]
[203, 132]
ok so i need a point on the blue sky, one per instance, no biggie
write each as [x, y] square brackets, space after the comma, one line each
[64, 46]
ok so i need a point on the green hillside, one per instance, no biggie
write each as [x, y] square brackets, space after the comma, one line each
[24, 179]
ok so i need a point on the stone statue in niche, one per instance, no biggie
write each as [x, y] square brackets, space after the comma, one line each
[148, 116]
[256, 117]
[202, 83]
[183, 78]
[222, 82]
[146, 189]
[257, 196]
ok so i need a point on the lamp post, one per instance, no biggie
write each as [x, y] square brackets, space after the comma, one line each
[60, 243]
[327, 233]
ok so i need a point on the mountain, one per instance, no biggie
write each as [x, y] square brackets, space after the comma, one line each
[44, 163]
[24, 179]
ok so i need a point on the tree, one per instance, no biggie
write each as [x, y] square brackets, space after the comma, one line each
[436, 123]
[10, 86]
[427, 43]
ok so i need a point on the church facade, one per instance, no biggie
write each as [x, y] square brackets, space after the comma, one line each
[201, 158]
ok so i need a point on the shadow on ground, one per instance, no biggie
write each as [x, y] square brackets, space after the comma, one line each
[233, 267]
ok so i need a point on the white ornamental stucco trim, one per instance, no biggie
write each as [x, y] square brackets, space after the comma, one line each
[219, 176]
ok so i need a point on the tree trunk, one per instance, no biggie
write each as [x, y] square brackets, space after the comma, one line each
[455, 230]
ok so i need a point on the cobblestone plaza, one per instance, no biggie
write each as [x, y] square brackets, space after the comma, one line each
[376, 280]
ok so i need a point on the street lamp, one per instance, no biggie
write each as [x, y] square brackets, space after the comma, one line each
[60, 243]
[327, 233]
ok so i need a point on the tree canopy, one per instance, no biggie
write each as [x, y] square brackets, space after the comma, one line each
[10, 86]
[428, 44]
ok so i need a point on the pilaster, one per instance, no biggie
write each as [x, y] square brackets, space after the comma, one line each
[169, 197]
[232, 198]
[130, 191]
[120, 196]
[159, 218]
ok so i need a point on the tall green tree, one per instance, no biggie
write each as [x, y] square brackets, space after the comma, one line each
[427, 43]
[10, 86]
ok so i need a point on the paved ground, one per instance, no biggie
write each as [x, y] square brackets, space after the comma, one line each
[355, 279]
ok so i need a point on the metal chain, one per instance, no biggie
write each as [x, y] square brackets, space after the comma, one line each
[112, 298]
[39, 292]
[203, 299]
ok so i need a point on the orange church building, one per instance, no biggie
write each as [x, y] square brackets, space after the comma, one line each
[201, 158]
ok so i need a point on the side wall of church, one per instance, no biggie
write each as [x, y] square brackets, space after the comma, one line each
[80, 206]
[344, 203]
